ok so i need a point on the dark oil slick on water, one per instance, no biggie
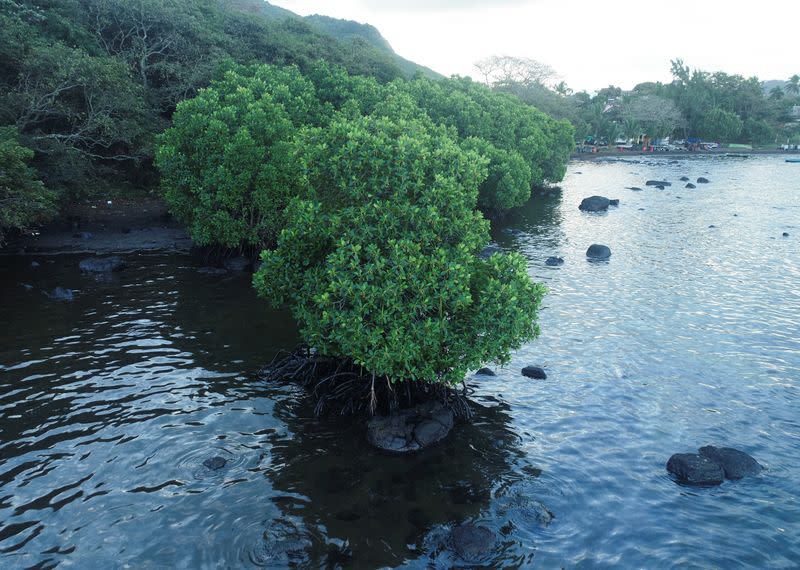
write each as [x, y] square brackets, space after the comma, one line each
[688, 335]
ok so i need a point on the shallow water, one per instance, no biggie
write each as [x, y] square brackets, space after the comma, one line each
[687, 336]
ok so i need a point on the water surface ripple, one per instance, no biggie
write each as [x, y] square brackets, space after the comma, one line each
[112, 405]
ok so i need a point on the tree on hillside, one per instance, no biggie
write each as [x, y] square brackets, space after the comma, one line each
[506, 70]
[720, 125]
[793, 86]
[24, 200]
[651, 114]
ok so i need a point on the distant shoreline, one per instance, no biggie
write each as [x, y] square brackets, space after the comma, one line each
[614, 153]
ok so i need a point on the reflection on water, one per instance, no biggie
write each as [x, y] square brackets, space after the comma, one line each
[111, 405]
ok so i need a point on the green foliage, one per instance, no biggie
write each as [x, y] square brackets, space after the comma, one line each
[227, 163]
[757, 131]
[508, 124]
[379, 265]
[720, 125]
[24, 200]
[89, 83]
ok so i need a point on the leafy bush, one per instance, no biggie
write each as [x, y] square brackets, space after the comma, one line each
[23, 198]
[379, 265]
[227, 163]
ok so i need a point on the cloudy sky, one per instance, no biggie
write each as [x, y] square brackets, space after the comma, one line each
[591, 44]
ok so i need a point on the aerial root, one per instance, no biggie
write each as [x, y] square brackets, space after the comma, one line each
[339, 383]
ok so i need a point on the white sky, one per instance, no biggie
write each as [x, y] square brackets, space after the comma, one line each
[590, 43]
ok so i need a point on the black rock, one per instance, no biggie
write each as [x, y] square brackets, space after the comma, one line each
[26, 286]
[35, 264]
[613, 202]
[635, 188]
[472, 542]
[486, 372]
[684, 179]
[125, 230]
[597, 251]
[525, 509]
[702, 180]
[215, 463]
[694, 469]
[61, 294]
[489, 251]
[102, 264]
[690, 185]
[658, 183]
[594, 204]
[736, 464]
[712, 226]
[535, 372]
[554, 261]
[411, 430]
[785, 234]
[237, 264]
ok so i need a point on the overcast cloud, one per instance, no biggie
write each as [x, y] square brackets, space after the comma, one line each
[590, 44]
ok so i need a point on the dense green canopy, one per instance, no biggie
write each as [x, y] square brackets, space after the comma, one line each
[229, 163]
[379, 264]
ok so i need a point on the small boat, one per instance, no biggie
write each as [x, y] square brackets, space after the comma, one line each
[793, 160]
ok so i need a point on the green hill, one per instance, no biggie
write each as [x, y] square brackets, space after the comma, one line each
[88, 84]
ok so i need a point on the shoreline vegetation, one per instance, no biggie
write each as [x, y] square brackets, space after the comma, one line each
[143, 224]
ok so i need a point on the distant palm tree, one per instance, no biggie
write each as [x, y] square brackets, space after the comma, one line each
[776, 93]
[793, 86]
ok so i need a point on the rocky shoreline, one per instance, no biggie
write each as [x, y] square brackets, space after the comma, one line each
[614, 153]
[105, 227]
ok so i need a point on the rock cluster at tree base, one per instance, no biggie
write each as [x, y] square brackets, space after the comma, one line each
[411, 430]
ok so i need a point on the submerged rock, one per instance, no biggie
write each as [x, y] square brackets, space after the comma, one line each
[613, 202]
[635, 188]
[597, 251]
[657, 183]
[486, 372]
[694, 469]
[61, 294]
[690, 186]
[702, 180]
[411, 430]
[524, 510]
[489, 251]
[535, 372]
[215, 463]
[684, 179]
[102, 264]
[284, 544]
[594, 204]
[554, 261]
[472, 542]
[735, 464]
[785, 234]
[237, 264]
